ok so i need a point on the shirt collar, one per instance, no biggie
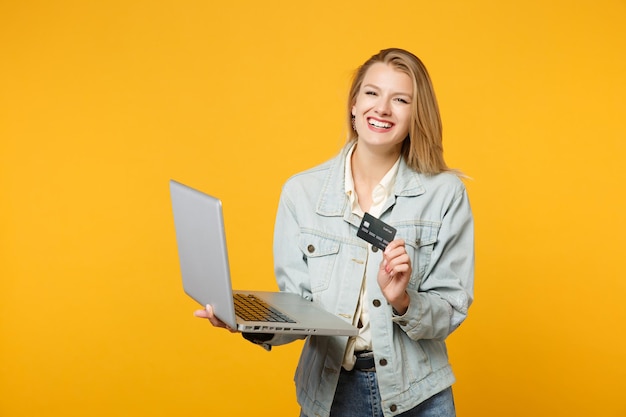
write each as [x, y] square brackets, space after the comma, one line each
[333, 200]
[381, 192]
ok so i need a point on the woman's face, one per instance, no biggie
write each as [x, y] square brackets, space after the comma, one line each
[382, 110]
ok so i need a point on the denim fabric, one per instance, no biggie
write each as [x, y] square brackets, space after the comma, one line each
[357, 395]
[318, 255]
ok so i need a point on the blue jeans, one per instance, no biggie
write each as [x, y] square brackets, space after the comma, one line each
[357, 395]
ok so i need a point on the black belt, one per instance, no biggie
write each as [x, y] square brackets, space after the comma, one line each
[364, 361]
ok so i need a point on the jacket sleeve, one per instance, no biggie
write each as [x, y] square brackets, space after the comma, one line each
[289, 265]
[441, 302]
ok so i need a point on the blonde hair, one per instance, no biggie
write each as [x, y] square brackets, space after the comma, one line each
[422, 150]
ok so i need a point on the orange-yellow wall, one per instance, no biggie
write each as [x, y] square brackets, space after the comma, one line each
[101, 103]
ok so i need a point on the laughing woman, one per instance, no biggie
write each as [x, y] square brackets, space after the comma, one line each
[405, 300]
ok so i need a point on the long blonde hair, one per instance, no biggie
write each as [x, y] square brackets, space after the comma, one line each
[423, 148]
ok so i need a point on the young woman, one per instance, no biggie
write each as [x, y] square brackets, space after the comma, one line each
[406, 299]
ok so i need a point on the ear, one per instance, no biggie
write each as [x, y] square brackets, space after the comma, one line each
[353, 112]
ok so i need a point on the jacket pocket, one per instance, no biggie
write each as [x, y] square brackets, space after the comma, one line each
[420, 238]
[320, 254]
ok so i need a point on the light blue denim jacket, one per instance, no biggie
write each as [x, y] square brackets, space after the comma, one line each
[318, 255]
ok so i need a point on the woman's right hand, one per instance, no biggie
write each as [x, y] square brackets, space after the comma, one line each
[207, 313]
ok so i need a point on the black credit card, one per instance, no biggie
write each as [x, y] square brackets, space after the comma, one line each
[375, 231]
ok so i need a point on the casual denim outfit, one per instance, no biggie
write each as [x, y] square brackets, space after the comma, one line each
[318, 255]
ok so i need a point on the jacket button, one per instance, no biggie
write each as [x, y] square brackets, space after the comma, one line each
[376, 303]
[382, 362]
[310, 248]
[374, 248]
[393, 408]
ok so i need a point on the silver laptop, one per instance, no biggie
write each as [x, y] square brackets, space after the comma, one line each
[203, 257]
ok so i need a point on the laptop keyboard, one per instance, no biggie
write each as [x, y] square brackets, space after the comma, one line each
[252, 308]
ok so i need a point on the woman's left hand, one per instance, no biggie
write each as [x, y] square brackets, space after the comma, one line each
[394, 275]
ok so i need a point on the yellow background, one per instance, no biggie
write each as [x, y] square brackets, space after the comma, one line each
[102, 102]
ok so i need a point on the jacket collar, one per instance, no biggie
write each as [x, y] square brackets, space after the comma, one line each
[333, 200]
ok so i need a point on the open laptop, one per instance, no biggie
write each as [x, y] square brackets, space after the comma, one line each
[205, 270]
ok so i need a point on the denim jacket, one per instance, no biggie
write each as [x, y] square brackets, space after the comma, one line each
[318, 255]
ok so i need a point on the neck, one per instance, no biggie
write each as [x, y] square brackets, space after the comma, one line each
[368, 167]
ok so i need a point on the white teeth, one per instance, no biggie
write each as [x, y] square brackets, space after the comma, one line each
[379, 124]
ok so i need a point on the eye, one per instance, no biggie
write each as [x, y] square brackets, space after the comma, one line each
[402, 100]
[370, 93]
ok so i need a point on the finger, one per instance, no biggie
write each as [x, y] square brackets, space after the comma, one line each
[394, 244]
[398, 265]
[399, 269]
[201, 314]
[384, 265]
[396, 257]
[393, 259]
[394, 252]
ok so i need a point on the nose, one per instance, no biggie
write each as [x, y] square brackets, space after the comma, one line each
[383, 107]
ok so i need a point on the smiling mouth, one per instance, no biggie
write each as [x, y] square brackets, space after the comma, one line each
[379, 124]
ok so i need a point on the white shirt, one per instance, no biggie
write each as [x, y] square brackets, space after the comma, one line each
[382, 191]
